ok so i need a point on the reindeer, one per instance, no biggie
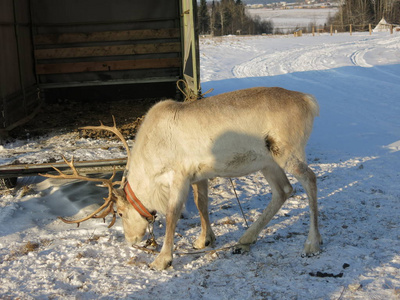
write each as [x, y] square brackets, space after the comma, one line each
[229, 135]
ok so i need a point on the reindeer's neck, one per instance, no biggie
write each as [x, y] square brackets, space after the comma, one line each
[151, 189]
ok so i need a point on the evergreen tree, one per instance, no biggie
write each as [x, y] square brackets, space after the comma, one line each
[203, 18]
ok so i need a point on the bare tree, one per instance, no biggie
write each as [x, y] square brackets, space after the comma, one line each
[360, 13]
[230, 17]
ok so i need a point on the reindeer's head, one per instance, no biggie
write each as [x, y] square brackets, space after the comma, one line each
[135, 217]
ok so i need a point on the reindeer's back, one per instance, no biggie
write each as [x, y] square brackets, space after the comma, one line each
[266, 107]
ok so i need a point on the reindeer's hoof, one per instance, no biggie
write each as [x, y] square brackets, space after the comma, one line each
[161, 263]
[201, 243]
[312, 248]
[303, 255]
[241, 249]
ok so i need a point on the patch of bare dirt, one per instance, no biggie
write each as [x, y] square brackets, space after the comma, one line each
[70, 115]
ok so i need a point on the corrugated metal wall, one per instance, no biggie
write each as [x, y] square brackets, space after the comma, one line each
[18, 90]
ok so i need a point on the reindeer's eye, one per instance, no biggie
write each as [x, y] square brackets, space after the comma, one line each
[120, 214]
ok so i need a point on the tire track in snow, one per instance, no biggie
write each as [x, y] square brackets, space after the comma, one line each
[318, 57]
[358, 58]
[389, 45]
[270, 64]
[287, 61]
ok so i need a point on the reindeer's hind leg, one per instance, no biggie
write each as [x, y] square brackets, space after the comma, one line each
[308, 180]
[207, 237]
[281, 190]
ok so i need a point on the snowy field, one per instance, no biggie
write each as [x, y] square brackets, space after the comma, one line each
[292, 18]
[354, 150]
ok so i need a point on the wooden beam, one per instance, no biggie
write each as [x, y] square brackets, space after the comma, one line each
[86, 167]
[96, 51]
[151, 79]
[118, 65]
[103, 36]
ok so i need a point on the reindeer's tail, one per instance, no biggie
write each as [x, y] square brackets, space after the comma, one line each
[313, 104]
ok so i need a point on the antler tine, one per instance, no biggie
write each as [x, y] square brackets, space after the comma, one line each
[105, 212]
[85, 218]
[76, 174]
[108, 202]
[118, 133]
[107, 207]
[62, 174]
[112, 129]
[114, 218]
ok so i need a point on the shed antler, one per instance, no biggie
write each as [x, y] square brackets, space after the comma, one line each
[108, 206]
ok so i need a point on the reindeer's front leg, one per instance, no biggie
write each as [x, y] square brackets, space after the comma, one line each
[178, 195]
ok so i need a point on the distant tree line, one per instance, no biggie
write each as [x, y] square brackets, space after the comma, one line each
[360, 13]
[229, 17]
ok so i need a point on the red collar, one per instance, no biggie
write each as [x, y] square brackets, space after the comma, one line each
[137, 204]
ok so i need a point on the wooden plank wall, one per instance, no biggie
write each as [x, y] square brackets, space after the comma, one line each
[108, 51]
[100, 42]
[57, 47]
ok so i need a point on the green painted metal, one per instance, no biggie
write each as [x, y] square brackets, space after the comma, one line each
[190, 43]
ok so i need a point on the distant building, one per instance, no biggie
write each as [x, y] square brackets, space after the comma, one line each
[382, 26]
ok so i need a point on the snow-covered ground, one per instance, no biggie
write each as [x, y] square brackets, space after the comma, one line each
[354, 150]
[286, 19]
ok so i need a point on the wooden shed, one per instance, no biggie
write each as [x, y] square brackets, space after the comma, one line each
[48, 47]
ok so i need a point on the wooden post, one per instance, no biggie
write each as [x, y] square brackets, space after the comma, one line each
[370, 29]
[391, 29]
[351, 29]
[313, 30]
[331, 29]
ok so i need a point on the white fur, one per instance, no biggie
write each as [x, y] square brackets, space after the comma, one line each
[227, 135]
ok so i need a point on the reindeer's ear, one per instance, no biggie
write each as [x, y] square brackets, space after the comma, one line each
[119, 193]
[121, 201]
